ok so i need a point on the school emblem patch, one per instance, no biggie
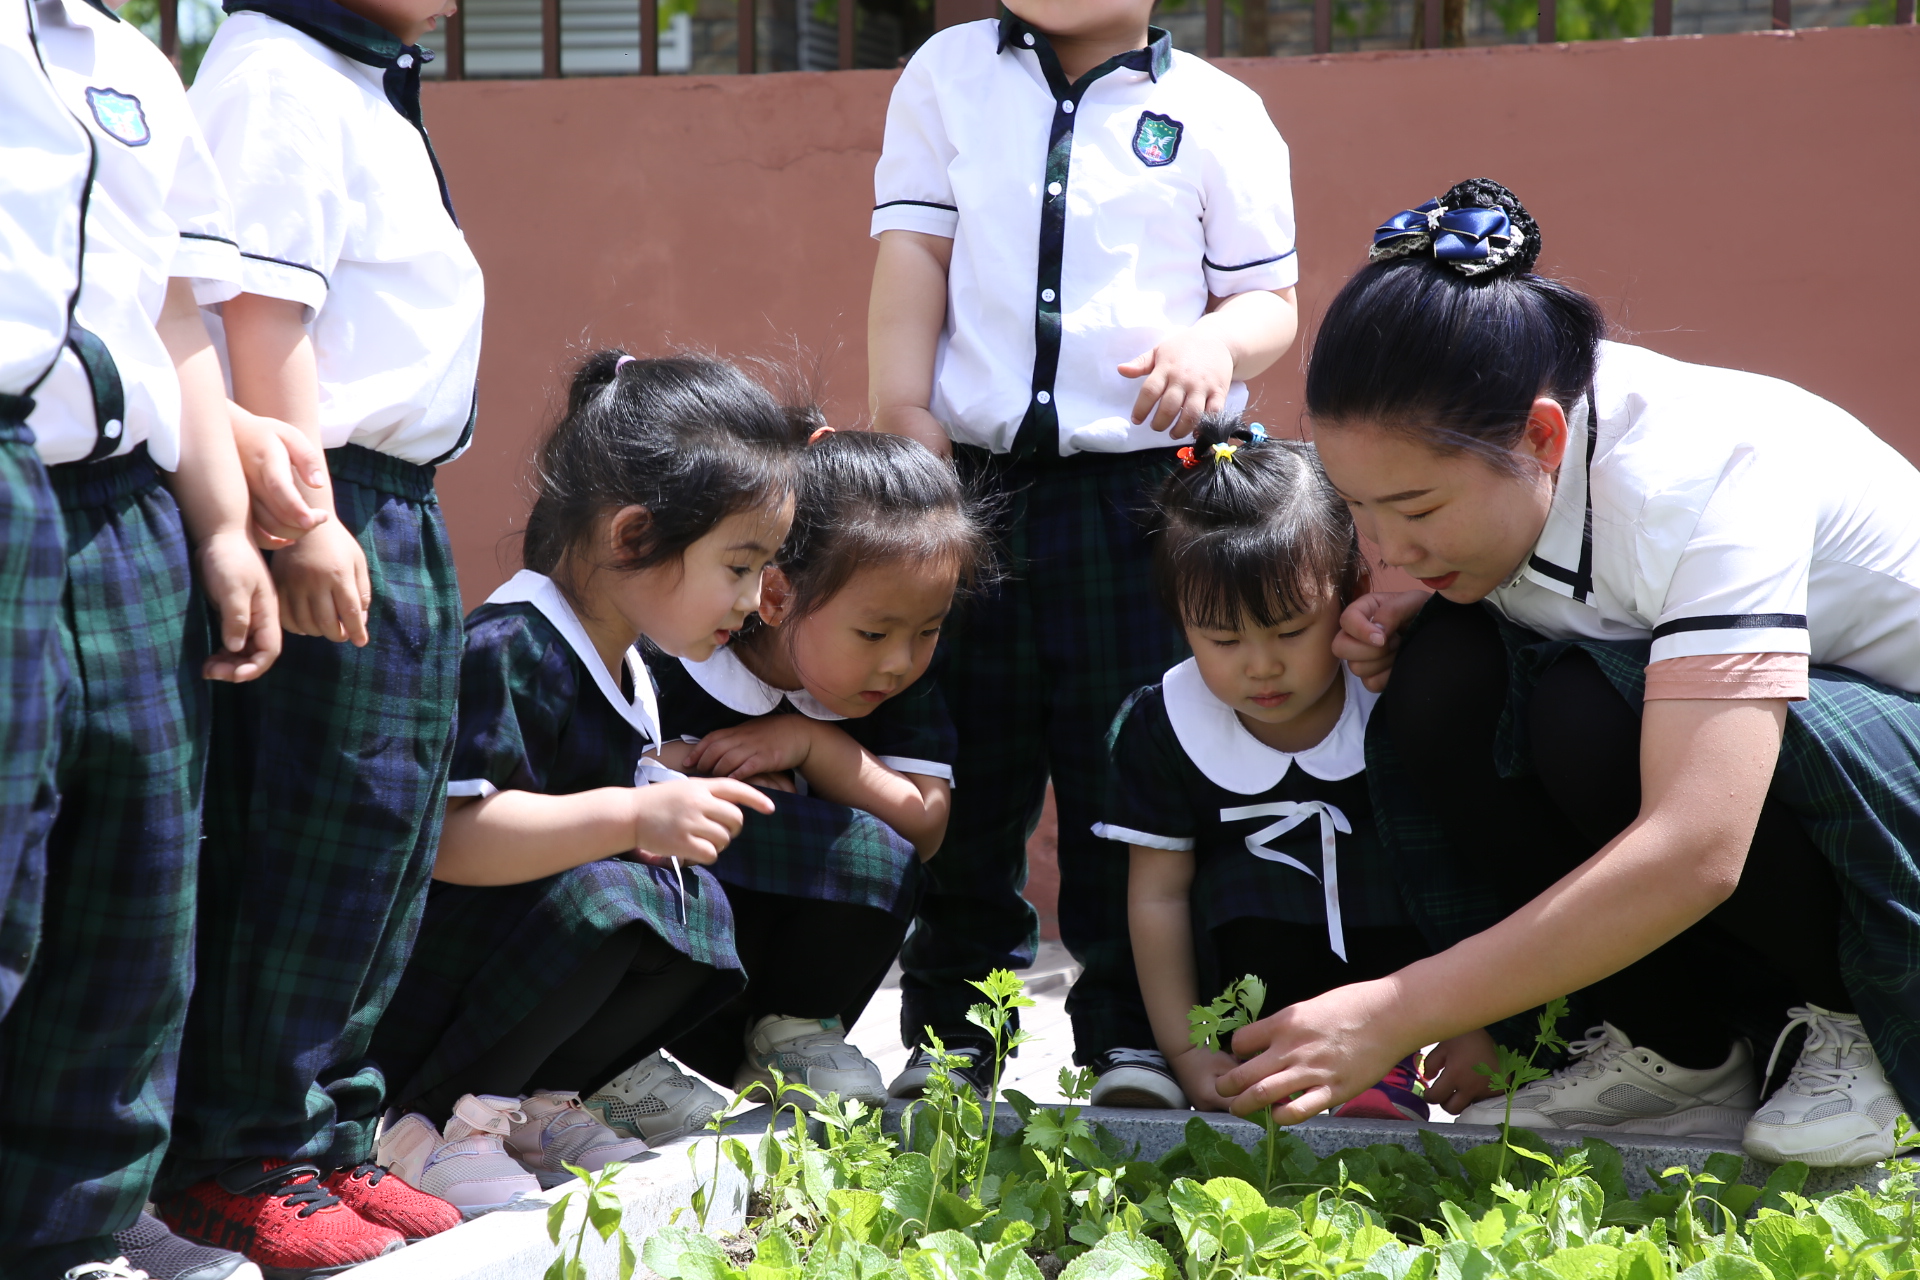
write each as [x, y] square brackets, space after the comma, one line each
[1156, 139]
[121, 116]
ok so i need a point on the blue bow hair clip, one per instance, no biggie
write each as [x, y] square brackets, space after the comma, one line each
[1470, 239]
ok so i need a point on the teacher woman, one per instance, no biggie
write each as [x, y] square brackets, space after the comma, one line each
[1664, 700]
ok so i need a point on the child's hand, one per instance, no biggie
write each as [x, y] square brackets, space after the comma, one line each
[1187, 376]
[324, 590]
[273, 454]
[240, 589]
[770, 744]
[1369, 634]
[694, 819]
[1198, 1070]
[1449, 1074]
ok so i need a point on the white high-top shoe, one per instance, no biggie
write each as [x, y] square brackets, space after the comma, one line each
[654, 1101]
[809, 1051]
[1836, 1108]
[1611, 1085]
[467, 1165]
[558, 1132]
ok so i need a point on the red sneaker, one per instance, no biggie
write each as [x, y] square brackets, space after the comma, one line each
[281, 1217]
[378, 1194]
[1397, 1097]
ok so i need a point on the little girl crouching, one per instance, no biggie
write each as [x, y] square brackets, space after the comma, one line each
[1239, 782]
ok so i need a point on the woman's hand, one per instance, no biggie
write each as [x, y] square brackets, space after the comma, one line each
[1315, 1054]
[693, 819]
[1369, 634]
[1199, 1070]
[770, 744]
[1449, 1073]
[323, 585]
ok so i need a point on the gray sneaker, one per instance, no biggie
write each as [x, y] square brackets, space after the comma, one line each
[148, 1246]
[809, 1051]
[654, 1101]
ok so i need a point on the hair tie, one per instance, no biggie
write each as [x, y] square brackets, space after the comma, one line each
[1223, 452]
[621, 363]
[818, 434]
[1186, 457]
[1256, 434]
[1471, 239]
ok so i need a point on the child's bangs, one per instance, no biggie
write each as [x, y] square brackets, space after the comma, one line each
[1234, 579]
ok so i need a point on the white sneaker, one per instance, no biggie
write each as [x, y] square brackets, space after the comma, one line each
[654, 1101]
[1836, 1109]
[809, 1051]
[1136, 1078]
[118, 1269]
[468, 1165]
[1611, 1085]
[558, 1132]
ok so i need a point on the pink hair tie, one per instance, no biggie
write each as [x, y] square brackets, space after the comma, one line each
[620, 364]
[819, 434]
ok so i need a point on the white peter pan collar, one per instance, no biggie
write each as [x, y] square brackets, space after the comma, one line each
[727, 680]
[1562, 560]
[538, 590]
[1232, 758]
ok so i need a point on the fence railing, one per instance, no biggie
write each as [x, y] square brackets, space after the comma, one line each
[1429, 28]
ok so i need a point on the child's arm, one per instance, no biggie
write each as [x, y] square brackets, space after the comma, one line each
[904, 319]
[1158, 882]
[1189, 372]
[512, 837]
[836, 768]
[322, 578]
[212, 494]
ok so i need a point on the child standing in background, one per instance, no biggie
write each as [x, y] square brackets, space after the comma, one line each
[1239, 780]
[1086, 241]
[133, 424]
[359, 323]
[549, 958]
[825, 692]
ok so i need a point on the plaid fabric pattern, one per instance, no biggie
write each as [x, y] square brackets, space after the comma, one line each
[88, 1051]
[532, 719]
[1157, 790]
[1033, 676]
[327, 790]
[1850, 772]
[809, 847]
[33, 569]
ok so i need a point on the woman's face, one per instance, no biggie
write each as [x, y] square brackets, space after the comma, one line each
[1459, 524]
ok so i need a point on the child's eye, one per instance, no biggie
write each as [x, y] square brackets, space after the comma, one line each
[930, 632]
[1291, 635]
[871, 635]
[1224, 644]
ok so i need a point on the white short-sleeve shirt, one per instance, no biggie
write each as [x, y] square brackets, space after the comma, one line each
[338, 205]
[1719, 512]
[1088, 221]
[157, 210]
[46, 157]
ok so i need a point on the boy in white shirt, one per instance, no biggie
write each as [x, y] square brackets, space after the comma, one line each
[1086, 242]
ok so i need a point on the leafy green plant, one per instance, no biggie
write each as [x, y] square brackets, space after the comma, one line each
[602, 1214]
[1513, 1072]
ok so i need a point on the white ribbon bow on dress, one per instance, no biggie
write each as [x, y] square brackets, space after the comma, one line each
[1291, 814]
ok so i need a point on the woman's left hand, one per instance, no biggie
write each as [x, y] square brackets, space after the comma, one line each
[1315, 1054]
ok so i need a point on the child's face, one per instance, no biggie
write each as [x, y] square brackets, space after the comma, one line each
[691, 608]
[1082, 19]
[874, 637]
[408, 20]
[1272, 675]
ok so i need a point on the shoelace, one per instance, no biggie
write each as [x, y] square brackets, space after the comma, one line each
[299, 1184]
[1590, 1055]
[118, 1269]
[1136, 1058]
[1824, 1031]
[370, 1171]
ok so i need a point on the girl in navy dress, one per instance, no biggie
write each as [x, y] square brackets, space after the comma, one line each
[553, 953]
[821, 700]
[1239, 782]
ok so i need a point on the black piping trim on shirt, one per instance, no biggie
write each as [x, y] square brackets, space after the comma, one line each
[1039, 433]
[924, 204]
[1581, 580]
[201, 235]
[299, 266]
[1244, 266]
[1733, 622]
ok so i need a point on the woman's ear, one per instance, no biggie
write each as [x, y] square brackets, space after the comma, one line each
[628, 531]
[1545, 439]
[776, 596]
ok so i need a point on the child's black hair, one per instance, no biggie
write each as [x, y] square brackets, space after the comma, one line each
[1413, 344]
[868, 498]
[690, 438]
[1256, 537]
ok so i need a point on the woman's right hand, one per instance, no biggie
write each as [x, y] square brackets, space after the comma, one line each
[1199, 1070]
[1369, 634]
[692, 819]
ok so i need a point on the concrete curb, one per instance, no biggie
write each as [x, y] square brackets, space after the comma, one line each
[512, 1244]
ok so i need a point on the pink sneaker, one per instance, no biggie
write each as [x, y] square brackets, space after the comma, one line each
[1394, 1098]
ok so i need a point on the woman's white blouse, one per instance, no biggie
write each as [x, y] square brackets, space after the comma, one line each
[1721, 512]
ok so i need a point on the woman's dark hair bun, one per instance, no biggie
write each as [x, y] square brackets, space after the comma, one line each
[1485, 193]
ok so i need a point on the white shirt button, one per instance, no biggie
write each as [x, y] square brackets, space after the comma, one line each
[1043, 397]
[404, 61]
[1053, 188]
[112, 429]
[1046, 295]
[1027, 40]
[1067, 107]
